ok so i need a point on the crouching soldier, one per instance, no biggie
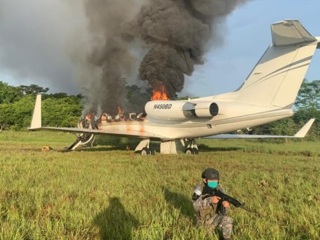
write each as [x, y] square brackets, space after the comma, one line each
[211, 210]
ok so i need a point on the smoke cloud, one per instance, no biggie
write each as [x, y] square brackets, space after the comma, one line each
[179, 33]
[111, 57]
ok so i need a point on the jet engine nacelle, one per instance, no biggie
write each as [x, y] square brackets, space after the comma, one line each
[180, 110]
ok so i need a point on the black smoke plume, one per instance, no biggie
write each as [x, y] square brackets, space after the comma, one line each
[179, 33]
[110, 54]
[173, 36]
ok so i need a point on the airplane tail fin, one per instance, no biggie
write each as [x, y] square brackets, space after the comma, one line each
[277, 77]
[36, 116]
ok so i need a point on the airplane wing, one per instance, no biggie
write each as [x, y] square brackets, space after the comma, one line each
[98, 131]
[300, 134]
[36, 124]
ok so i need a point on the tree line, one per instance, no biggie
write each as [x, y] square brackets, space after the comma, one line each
[16, 107]
[61, 109]
[306, 106]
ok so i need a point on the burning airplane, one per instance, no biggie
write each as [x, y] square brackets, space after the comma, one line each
[267, 95]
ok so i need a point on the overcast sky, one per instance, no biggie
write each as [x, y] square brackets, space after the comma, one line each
[39, 42]
[37, 39]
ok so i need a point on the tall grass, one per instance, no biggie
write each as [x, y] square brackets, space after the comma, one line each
[109, 193]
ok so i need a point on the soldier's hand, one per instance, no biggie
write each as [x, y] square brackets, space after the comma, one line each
[215, 199]
[226, 204]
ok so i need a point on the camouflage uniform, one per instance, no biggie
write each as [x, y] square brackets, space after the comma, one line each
[209, 215]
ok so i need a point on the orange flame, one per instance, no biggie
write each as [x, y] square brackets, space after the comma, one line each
[89, 116]
[159, 93]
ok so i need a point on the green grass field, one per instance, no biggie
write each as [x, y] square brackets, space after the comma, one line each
[107, 192]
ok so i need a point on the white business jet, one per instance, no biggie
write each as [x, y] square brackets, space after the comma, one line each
[267, 95]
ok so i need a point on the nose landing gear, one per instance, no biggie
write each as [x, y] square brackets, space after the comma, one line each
[83, 139]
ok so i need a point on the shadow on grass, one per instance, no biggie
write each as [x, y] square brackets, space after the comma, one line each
[206, 148]
[115, 222]
[179, 202]
[123, 144]
[112, 143]
[101, 149]
[123, 147]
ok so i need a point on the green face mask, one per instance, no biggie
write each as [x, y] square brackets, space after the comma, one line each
[213, 184]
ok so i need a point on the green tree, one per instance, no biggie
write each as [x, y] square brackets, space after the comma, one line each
[8, 94]
[282, 127]
[17, 103]
[62, 112]
[307, 105]
[6, 116]
[309, 96]
[22, 112]
[32, 89]
[308, 102]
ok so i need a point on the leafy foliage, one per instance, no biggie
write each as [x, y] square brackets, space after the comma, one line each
[16, 106]
[281, 127]
[8, 94]
[307, 106]
[309, 96]
[32, 89]
[62, 111]
[6, 116]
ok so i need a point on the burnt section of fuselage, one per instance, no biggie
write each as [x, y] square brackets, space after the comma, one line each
[92, 121]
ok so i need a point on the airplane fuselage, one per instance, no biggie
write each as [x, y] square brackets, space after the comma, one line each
[201, 127]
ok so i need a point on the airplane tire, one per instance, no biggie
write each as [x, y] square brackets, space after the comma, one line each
[145, 151]
[189, 151]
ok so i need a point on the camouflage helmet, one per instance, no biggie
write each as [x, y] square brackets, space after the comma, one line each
[210, 173]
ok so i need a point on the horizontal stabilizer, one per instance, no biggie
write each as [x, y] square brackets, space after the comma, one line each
[300, 134]
[289, 32]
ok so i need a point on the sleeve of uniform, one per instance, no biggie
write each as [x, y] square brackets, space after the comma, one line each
[197, 192]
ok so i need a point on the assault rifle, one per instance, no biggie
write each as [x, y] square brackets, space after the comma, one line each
[231, 200]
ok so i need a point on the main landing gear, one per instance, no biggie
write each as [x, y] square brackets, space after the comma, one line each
[83, 140]
[187, 146]
[143, 147]
[192, 147]
[192, 151]
[146, 151]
